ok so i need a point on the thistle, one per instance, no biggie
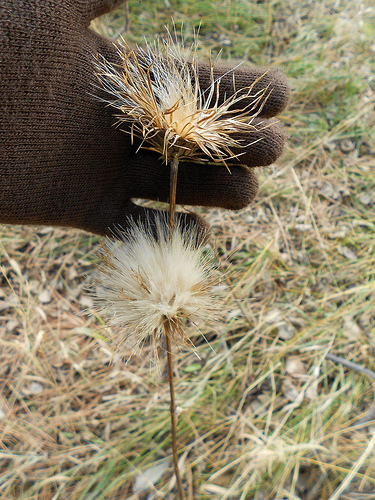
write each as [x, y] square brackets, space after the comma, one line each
[158, 93]
[152, 284]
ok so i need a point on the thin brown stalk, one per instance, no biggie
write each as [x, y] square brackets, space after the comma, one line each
[168, 333]
[172, 193]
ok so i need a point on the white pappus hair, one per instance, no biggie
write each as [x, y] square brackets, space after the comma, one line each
[149, 278]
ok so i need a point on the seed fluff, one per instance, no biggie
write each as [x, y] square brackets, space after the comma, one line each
[149, 279]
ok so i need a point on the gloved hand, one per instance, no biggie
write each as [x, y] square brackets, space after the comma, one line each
[62, 162]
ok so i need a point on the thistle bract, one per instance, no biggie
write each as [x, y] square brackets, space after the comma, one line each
[157, 91]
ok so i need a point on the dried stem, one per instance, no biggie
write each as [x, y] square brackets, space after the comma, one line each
[172, 194]
[168, 333]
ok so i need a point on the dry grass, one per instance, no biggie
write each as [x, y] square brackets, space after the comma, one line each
[265, 416]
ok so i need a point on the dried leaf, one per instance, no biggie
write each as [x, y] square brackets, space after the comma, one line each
[294, 366]
[290, 391]
[195, 367]
[303, 228]
[212, 488]
[150, 477]
[286, 331]
[312, 390]
[351, 328]
[346, 252]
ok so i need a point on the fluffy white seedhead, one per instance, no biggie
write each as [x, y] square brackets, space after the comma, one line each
[157, 91]
[148, 279]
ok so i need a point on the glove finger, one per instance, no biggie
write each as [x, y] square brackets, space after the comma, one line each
[274, 80]
[91, 9]
[197, 184]
[270, 80]
[261, 146]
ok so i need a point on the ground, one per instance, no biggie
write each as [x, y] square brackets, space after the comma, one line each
[263, 414]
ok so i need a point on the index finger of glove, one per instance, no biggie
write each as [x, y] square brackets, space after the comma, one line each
[91, 9]
[272, 80]
[197, 184]
[261, 145]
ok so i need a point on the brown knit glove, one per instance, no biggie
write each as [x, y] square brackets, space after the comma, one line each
[62, 162]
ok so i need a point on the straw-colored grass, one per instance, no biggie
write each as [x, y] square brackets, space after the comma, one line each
[263, 415]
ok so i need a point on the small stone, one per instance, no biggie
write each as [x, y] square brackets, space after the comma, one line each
[86, 301]
[367, 198]
[303, 228]
[34, 388]
[226, 42]
[44, 297]
[13, 299]
[328, 191]
[257, 406]
[273, 316]
[11, 325]
[346, 145]
[286, 331]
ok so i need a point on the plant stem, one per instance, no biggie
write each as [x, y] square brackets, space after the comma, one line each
[172, 194]
[168, 333]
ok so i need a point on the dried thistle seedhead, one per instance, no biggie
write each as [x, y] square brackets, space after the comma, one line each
[158, 94]
[149, 279]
